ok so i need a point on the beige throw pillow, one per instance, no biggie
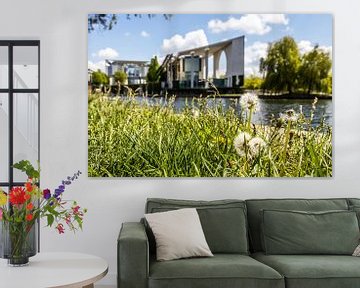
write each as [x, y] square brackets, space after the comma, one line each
[178, 234]
[357, 251]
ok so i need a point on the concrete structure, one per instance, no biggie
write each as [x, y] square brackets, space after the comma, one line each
[135, 70]
[190, 68]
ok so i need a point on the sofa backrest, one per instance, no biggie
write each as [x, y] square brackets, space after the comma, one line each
[223, 221]
[256, 205]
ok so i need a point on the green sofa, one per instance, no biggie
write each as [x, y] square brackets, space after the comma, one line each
[234, 230]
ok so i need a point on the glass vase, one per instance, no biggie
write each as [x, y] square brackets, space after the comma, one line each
[18, 242]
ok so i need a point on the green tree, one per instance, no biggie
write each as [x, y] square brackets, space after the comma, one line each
[281, 65]
[253, 82]
[153, 75]
[120, 78]
[326, 85]
[99, 78]
[314, 70]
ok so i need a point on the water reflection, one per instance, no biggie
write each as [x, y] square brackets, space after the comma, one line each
[267, 107]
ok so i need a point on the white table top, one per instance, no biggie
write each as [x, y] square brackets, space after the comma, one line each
[45, 270]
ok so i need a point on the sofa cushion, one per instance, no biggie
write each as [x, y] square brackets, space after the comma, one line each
[313, 271]
[222, 270]
[353, 201]
[223, 221]
[297, 232]
[178, 234]
[255, 206]
[356, 209]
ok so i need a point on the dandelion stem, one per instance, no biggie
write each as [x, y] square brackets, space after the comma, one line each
[283, 157]
[251, 110]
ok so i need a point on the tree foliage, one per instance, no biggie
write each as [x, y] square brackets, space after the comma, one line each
[326, 85]
[153, 76]
[108, 21]
[253, 82]
[120, 77]
[281, 65]
[284, 69]
[314, 69]
[99, 78]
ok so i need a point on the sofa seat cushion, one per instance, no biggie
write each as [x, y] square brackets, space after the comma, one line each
[313, 271]
[222, 270]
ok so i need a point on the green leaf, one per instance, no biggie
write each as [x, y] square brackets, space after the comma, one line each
[50, 219]
[26, 167]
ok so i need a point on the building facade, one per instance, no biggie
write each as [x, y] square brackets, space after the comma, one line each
[136, 71]
[190, 68]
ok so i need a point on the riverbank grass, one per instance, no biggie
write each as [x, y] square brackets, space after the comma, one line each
[132, 139]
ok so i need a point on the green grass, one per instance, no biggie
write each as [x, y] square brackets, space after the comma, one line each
[127, 139]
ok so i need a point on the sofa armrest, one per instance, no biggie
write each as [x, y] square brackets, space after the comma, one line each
[133, 256]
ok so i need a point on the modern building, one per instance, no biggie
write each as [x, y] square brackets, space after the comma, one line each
[190, 68]
[135, 70]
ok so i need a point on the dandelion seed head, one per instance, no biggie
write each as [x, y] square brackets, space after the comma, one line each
[240, 143]
[249, 101]
[313, 105]
[289, 116]
[256, 145]
[195, 112]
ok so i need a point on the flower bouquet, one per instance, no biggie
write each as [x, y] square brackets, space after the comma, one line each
[21, 208]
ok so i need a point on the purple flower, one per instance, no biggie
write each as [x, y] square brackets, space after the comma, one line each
[46, 194]
[68, 181]
[57, 193]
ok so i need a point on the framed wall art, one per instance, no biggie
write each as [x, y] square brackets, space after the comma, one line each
[210, 95]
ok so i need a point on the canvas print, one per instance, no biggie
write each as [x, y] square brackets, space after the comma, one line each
[210, 95]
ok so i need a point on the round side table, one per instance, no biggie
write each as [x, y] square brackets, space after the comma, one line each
[54, 270]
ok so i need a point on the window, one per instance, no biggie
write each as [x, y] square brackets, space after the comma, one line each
[19, 108]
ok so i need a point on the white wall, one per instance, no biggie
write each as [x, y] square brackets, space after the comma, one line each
[62, 28]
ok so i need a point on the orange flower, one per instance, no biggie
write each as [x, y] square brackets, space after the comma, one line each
[29, 206]
[27, 196]
[29, 217]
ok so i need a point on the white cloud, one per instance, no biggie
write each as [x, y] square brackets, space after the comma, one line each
[327, 49]
[97, 66]
[144, 34]
[190, 40]
[107, 53]
[275, 18]
[250, 23]
[252, 70]
[253, 53]
[306, 46]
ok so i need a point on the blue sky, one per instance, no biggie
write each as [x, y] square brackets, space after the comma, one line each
[142, 38]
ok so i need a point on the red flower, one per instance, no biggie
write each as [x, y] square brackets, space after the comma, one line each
[75, 209]
[29, 217]
[60, 228]
[29, 206]
[27, 196]
[29, 186]
[17, 196]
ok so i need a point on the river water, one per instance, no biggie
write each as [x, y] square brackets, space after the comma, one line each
[267, 108]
